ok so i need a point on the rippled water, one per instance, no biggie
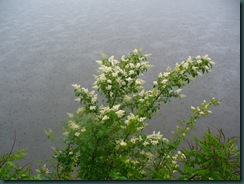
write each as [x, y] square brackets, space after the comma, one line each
[46, 45]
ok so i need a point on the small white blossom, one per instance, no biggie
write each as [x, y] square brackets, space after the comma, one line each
[109, 81]
[154, 142]
[142, 119]
[73, 125]
[129, 79]
[105, 118]
[199, 61]
[139, 81]
[99, 62]
[108, 87]
[164, 81]
[145, 143]
[178, 91]
[131, 72]
[120, 113]
[83, 129]
[160, 75]
[77, 134]
[127, 98]
[198, 57]
[192, 108]
[85, 90]
[116, 107]
[70, 115]
[135, 51]
[94, 98]
[122, 143]
[166, 74]
[194, 68]
[115, 74]
[92, 107]
[131, 65]
[133, 140]
[76, 86]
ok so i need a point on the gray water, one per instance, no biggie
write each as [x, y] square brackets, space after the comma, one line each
[47, 45]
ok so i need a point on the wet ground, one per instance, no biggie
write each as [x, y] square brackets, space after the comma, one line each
[45, 46]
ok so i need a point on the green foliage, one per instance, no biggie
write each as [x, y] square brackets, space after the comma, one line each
[10, 170]
[214, 158]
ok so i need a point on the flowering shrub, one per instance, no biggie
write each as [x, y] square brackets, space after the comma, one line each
[104, 138]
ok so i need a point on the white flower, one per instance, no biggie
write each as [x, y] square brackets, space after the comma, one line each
[164, 81]
[70, 115]
[109, 81]
[108, 87]
[73, 125]
[145, 143]
[83, 129]
[195, 68]
[165, 140]
[139, 128]
[80, 110]
[127, 98]
[139, 81]
[99, 62]
[129, 79]
[94, 98]
[142, 119]
[211, 62]
[166, 74]
[199, 61]
[189, 59]
[122, 143]
[138, 65]
[198, 57]
[133, 140]
[131, 65]
[105, 69]
[76, 86]
[155, 82]
[131, 72]
[192, 108]
[115, 74]
[116, 107]
[185, 65]
[120, 113]
[209, 111]
[92, 107]
[102, 77]
[160, 75]
[154, 142]
[135, 51]
[178, 91]
[77, 134]
[105, 118]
